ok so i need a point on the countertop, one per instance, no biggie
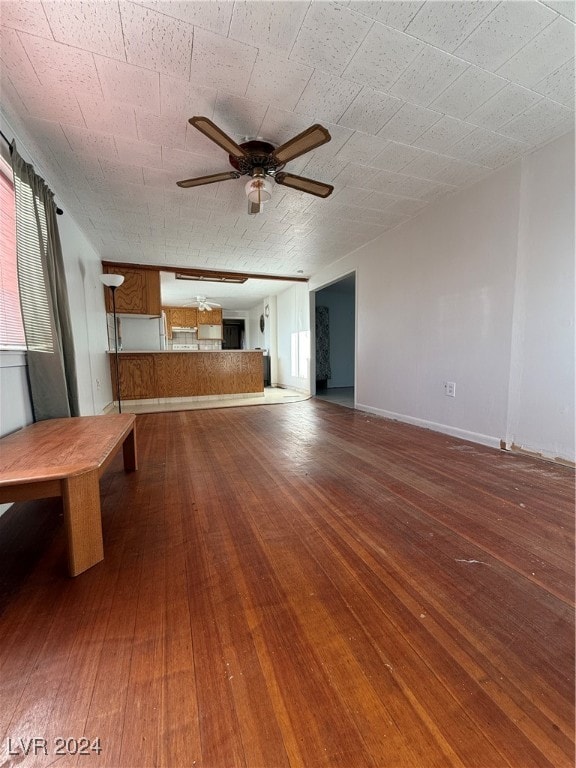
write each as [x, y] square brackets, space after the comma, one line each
[177, 351]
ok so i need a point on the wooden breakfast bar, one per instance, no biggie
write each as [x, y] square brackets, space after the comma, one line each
[67, 457]
[171, 373]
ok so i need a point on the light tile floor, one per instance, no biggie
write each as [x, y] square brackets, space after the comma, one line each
[338, 395]
[272, 395]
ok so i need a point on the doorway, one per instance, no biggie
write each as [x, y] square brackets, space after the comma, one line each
[335, 310]
[233, 334]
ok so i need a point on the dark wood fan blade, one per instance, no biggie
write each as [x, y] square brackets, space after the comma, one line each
[309, 139]
[217, 135]
[197, 182]
[317, 188]
[254, 208]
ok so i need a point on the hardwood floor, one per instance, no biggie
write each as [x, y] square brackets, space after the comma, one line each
[301, 585]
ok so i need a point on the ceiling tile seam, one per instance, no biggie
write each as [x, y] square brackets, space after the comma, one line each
[477, 106]
[528, 41]
[415, 16]
[25, 49]
[445, 114]
[289, 54]
[568, 61]
[48, 22]
[230, 23]
[558, 16]
[480, 22]
[414, 104]
[409, 64]
[521, 114]
[469, 65]
[123, 34]
[459, 58]
[103, 99]
[436, 180]
[248, 79]
[189, 68]
[359, 12]
[58, 43]
[313, 71]
[540, 2]
[360, 44]
[473, 126]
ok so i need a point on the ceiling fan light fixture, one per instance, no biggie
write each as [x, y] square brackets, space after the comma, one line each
[261, 160]
[258, 190]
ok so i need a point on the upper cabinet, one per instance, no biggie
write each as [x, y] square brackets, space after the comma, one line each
[181, 317]
[139, 294]
[210, 317]
[190, 317]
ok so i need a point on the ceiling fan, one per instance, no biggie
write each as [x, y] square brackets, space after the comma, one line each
[262, 161]
[202, 304]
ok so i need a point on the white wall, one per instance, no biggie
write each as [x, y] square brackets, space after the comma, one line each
[541, 408]
[469, 292]
[440, 312]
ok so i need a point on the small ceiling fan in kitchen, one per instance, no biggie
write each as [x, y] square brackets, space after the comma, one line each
[203, 305]
[262, 161]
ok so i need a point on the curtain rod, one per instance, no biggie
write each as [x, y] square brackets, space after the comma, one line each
[7, 140]
[59, 211]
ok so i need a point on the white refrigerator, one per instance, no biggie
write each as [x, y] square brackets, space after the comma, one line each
[142, 334]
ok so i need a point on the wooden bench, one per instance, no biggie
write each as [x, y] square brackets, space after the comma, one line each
[67, 457]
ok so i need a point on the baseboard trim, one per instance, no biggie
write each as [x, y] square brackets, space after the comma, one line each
[520, 449]
[446, 429]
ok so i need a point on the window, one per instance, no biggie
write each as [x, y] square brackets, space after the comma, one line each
[300, 354]
[32, 237]
[11, 328]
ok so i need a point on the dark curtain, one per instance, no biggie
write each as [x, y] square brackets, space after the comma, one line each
[43, 297]
[323, 371]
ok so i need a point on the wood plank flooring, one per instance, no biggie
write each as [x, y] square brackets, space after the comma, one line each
[298, 585]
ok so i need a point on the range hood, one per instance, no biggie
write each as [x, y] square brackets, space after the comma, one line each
[183, 329]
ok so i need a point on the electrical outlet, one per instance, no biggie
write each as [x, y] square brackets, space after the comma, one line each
[97, 383]
[450, 388]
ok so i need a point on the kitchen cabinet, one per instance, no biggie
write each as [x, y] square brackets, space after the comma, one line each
[139, 294]
[186, 374]
[190, 317]
[137, 376]
[150, 375]
[210, 317]
[180, 317]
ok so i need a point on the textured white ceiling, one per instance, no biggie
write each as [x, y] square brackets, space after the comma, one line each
[421, 99]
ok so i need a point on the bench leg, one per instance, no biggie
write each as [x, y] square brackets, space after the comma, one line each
[129, 451]
[81, 496]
